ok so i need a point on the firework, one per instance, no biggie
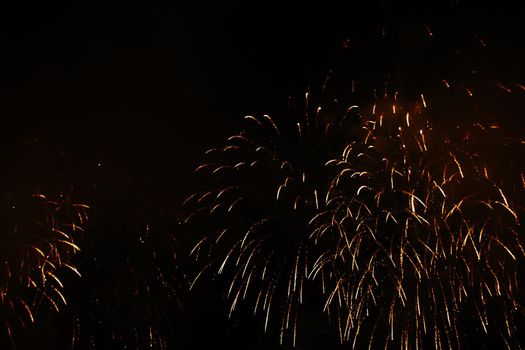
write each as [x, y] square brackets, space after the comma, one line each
[423, 238]
[264, 185]
[40, 229]
[131, 286]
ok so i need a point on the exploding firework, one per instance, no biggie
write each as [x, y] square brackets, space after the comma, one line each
[40, 229]
[423, 238]
[131, 286]
[264, 185]
[115, 278]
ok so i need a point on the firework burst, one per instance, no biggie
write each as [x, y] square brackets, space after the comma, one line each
[423, 237]
[265, 184]
[131, 286]
[40, 229]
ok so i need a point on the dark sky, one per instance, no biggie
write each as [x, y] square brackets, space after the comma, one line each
[154, 83]
[161, 81]
[144, 88]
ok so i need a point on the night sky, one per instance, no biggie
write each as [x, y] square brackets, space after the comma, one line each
[117, 102]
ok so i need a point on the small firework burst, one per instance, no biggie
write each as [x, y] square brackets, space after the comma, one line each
[131, 287]
[423, 238]
[39, 235]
